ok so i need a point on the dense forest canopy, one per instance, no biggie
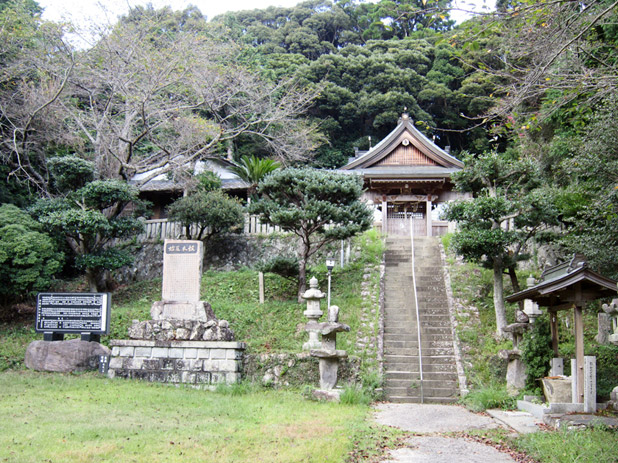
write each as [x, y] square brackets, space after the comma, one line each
[533, 82]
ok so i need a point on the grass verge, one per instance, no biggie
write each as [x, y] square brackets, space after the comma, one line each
[596, 445]
[87, 418]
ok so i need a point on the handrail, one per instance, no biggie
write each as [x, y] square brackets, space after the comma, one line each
[418, 317]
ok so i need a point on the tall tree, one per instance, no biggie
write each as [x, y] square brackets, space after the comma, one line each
[565, 46]
[150, 94]
[90, 215]
[503, 214]
[317, 206]
[35, 63]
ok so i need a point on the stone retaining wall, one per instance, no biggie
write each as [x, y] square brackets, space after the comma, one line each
[189, 362]
[288, 369]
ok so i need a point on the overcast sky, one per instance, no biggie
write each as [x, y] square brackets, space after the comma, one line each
[83, 11]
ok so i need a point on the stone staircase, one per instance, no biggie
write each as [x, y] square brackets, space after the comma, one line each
[401, 352]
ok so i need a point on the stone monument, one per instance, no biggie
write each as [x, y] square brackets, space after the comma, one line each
[184, 342]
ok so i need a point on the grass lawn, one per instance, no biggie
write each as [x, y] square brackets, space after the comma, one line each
[88, 418]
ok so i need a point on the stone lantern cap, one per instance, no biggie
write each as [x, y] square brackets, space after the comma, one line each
[313, 292]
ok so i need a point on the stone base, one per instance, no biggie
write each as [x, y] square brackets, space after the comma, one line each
[181, 310]
[515, 376]
[187, 362]
[181, 330]
[557, 389]
[64, 356]
[329, 395]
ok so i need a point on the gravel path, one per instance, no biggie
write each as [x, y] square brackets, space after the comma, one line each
[437, 419]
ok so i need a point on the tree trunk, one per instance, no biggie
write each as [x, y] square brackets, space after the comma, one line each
[302, 279]
[99, 280]
[91, 279]
[515, 284]
[499, 297]
[302, 270]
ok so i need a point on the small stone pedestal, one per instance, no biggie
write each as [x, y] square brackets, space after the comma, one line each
[329, 356]
[516, 369]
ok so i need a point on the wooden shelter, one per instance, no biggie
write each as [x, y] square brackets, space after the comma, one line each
[406, 175]
[566, 286]
[163, 189]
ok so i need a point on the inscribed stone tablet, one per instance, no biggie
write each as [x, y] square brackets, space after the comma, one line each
[182, 270]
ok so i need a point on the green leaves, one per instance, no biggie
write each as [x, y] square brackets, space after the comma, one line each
[70, 172]
[317, 206]
[28, 257]
[204, 214]
[253, 169]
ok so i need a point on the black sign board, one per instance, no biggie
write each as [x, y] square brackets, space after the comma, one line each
[78, 313]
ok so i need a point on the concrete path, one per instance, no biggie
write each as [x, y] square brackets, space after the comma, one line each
[432, 419]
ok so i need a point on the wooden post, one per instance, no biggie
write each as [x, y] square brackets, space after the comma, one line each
[579, 351]
[261, 284]
[428, 217]
[553, 324]
[384, 216]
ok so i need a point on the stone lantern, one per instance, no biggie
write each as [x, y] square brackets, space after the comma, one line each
[313, 313]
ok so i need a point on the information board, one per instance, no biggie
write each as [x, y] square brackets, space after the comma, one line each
[73, 313]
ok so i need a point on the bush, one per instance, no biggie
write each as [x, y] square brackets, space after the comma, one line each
[284, 266]
[28, 257]
[204, 214]
[536, 352]
[492, 396]
[355, 395]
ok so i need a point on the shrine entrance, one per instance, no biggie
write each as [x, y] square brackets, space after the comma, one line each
[400, 217]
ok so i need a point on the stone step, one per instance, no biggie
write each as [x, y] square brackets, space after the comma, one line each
[429, 331]
[427, 344]
[395, 349]
[429, 368]
[417, 400]
[429, 391]
[391, 378]
[406, 358]
[411, 321]
[426, 340]
[429, 321]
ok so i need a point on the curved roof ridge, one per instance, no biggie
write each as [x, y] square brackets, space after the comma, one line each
[389, 143]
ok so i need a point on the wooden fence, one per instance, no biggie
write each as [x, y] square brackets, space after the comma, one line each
[160, 229]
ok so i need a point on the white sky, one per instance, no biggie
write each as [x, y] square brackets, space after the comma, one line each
[81, 12]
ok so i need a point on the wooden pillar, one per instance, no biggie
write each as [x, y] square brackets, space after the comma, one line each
[261, 286]
[579, 351]
[384, 216]
[553, 325]
[428, 217]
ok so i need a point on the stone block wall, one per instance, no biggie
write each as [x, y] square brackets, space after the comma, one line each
[288, 369]
[187, 362]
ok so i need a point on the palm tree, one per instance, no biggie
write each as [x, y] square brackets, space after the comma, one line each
[253, 169]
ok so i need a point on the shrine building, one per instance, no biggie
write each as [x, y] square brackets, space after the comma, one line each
[406, 177]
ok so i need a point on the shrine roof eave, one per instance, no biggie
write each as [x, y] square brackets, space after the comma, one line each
[419, 140]
[562, 290]
[407, 172]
